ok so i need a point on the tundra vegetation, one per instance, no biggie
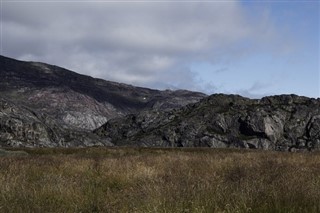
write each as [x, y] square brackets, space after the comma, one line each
[158, 180]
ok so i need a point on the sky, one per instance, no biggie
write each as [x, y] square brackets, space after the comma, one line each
[251, 48]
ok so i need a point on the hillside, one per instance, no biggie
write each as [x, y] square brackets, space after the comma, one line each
[66, 106]
[284, 122]
[42, 105]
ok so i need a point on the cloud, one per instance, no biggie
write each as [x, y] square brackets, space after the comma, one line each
[257, 90]
[143, 43]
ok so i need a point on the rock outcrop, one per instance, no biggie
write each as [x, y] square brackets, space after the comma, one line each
[57, 107]
[47, 106]
[20, 126]
[284, 122]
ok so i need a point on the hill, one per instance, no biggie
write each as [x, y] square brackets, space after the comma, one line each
[46, 105]
[283, 122]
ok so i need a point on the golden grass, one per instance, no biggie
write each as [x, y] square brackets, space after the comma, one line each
[159, 180]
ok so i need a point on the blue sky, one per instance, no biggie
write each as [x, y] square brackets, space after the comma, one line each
[265, 71]
[251, 48]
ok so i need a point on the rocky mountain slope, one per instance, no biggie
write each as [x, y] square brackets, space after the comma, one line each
[48, 106]
[21, 126]
[45, 105]
[284, 122]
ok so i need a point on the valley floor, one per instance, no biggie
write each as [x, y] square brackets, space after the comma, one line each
[158, 180]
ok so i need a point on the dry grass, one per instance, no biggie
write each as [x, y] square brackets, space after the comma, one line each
[159, 180]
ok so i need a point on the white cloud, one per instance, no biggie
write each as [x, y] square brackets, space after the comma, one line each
[147, 44]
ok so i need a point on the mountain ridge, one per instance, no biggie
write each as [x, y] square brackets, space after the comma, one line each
[76, 103]
[43, 105]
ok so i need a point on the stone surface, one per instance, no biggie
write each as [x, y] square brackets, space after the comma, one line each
[283, 122]
[52, 106]
[47, 106]
[22, 127]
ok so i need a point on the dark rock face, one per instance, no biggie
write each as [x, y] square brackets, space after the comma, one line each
[61, 107]
[20, 126]
[284, 122]
[48, 106]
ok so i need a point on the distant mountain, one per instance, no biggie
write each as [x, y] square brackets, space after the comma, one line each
[283, 122]
[46, 105]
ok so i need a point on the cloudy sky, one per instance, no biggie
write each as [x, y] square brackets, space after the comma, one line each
[252, 48]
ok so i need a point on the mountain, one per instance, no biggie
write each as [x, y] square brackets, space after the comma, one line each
[42, 105]
[46, 105]
[283, 122]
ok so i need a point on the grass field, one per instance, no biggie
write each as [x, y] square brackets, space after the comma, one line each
[159, 180]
